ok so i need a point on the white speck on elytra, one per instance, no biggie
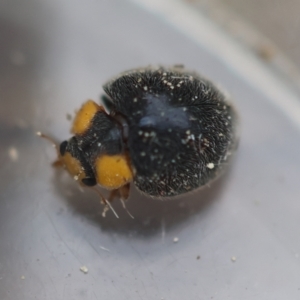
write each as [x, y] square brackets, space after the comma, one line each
[210, 165]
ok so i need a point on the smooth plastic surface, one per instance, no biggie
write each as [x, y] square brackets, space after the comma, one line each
[238, 239]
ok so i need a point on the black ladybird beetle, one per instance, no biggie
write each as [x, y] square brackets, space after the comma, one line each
[168, 130]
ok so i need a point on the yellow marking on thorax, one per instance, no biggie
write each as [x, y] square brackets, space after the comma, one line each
[73, 166]
[113, 171]
[84, 117]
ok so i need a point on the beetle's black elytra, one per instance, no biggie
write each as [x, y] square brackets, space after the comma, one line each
[181, 128]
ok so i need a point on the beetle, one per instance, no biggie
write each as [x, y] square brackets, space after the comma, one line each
[166, 129]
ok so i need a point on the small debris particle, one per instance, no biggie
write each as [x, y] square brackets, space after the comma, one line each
[69, 117]
[257, 202]
[176, 239]
[198, 257]
[233, 258]
[105, 249]
[13, 154]
[22, 277]
[266, 52]
[210, 165]
[84, 269]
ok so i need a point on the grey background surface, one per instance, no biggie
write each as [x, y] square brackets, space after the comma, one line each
[56, 54]
[276, 20]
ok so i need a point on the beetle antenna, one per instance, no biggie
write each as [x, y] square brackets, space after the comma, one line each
[51, 140]
[124, 206]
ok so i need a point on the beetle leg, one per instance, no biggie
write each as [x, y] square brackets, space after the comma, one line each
[113, 194]
[124, 191]
[104, 201]
[123, 194]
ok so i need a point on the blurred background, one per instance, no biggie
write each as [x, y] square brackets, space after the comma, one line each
[236, 239]
[275, 22]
